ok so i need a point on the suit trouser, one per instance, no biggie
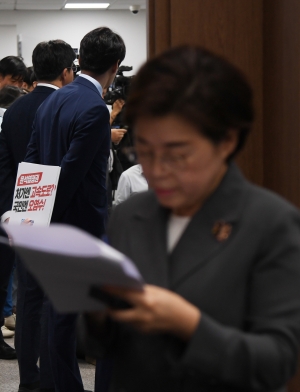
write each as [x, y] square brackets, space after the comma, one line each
[31, 338]
[8, 306]
[62, 345]
[7, 258]
[103, 374]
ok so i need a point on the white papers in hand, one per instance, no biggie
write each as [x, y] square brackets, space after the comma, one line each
[67, 262]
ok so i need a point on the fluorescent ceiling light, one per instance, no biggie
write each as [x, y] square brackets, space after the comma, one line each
[86, 5]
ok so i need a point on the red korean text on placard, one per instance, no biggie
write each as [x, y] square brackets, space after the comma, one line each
[37, 204]
[29, 179]
[42, 191]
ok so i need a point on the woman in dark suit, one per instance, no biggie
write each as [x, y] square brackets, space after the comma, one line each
[220, 310]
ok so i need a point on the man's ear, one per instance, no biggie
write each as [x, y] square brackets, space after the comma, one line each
[64, 74]
[115, 67]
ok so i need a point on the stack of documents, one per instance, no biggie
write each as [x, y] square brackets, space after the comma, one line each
[68, 262]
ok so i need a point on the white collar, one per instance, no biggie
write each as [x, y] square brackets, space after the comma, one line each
[94, 81]
[48, 85]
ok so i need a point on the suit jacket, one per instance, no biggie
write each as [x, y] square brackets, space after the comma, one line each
[72, 130]
[14, 138]
[247, 288]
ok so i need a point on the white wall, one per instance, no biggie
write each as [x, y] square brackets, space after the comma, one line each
[8, 46]
[71, 26]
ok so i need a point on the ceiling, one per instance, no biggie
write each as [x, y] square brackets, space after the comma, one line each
[55, 5]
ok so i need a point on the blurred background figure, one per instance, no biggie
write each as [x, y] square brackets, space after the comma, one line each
[131, 181]
[114, 165]
[29, 82]
[8, 94]
[12, 71]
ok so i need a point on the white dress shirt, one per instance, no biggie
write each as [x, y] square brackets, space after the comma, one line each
[94, 81]
[131, 181]
[176, 227]
[2, 111]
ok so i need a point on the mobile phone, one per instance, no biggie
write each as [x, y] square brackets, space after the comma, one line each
[111, 301]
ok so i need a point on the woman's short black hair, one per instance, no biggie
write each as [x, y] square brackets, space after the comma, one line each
[50, 58]
[196, 85]
[100, 49]
[8, 95]
[14, 66]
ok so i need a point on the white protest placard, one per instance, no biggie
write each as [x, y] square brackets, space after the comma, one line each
[34, 194]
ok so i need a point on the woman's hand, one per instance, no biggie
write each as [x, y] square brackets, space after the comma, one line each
[156, 310]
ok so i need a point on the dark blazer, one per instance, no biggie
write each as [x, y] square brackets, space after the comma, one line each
[72, 130]
[247, 288]
[14, 138]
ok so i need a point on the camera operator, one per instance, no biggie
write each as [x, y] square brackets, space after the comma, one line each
[114, 166]
[116, 96]
[117, 134]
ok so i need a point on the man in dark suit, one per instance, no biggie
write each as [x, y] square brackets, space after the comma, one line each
[72, 130]
[12, 73]
[53, 63]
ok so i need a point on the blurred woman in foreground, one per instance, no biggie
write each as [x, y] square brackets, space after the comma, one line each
[221, 256]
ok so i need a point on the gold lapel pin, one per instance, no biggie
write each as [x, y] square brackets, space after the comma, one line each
[221, 230]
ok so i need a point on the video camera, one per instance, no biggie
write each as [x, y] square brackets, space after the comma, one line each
[120, 87]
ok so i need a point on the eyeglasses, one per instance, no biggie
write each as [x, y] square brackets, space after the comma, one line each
[168, 161]
[73, 68]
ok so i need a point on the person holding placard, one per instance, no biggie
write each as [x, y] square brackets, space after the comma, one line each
[53, 63]
[72, 130]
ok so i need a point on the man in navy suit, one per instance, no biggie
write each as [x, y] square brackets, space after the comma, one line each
[72, 130]
[53, 63]
[12, 73]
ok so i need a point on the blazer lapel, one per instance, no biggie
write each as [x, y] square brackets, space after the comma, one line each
[210, 229]
[150, 244]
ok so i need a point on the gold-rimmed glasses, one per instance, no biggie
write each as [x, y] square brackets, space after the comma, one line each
[168, 160]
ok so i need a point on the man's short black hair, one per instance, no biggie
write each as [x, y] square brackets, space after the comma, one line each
[29, 77]
[14, 66]
[100, 49]
[50, 58]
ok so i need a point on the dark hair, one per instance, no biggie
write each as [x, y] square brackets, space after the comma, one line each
[30, 76]
[14, 66]
[196, 85]
[50, 58]
[8, 95]
[100, 49]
